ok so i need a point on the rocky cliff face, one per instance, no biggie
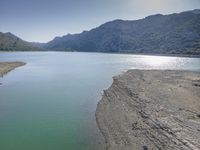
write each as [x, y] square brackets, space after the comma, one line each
[151, 110]
[162, 34]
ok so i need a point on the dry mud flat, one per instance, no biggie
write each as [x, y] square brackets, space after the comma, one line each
[6, 67]
[149, 110]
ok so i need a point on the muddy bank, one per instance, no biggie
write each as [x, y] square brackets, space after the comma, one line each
[6, 67]
[149, 110]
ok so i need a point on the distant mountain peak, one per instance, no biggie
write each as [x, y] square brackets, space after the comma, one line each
[156, 15]
[10, 34]
[10, 42]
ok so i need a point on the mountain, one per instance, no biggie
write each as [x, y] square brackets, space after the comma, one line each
[37, 44]
[162, 34]
[10, 42]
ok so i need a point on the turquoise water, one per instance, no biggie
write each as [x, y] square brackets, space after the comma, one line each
[49, 104]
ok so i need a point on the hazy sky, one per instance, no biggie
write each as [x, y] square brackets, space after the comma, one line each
[42, 20]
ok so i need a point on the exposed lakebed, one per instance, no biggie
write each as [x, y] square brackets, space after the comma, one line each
[50, 102]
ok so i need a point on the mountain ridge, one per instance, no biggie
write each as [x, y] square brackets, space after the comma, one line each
[177, 33]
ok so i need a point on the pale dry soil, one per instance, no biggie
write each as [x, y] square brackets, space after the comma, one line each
[151, 110]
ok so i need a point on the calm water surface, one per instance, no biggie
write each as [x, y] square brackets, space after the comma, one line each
[49, 104]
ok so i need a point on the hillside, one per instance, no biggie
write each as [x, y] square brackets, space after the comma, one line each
[10, 42]
[160, 34]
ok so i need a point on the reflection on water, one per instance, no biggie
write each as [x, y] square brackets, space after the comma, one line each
[158, 61]
[166, 62]
[50, 102]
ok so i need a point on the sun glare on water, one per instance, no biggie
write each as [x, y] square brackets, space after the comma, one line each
[156, 61]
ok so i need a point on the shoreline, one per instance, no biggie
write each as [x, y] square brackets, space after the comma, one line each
[144, 54]
[6, 67]
[151, 109]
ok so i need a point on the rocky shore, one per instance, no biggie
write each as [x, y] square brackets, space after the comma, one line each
[6, 67]
[149, 110]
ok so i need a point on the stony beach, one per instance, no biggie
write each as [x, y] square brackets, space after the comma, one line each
[151, 109]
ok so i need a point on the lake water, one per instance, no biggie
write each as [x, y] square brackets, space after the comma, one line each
[49, 104]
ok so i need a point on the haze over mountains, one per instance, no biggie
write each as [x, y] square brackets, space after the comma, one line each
[156, 34]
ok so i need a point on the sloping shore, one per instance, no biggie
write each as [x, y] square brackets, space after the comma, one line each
[149, 110]
[6, 67]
